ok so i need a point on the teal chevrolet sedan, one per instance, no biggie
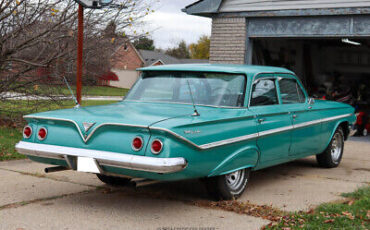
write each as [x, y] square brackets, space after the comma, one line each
[214, 122]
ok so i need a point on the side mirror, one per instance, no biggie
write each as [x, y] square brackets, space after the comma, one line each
[105, 2]
[311, 101]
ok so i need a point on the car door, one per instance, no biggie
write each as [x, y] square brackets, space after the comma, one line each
[305, 133]
[274, 123]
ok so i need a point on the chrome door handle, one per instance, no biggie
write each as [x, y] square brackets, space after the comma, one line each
[261, 120]
[295, 116]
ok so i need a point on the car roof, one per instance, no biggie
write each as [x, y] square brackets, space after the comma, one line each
[222, 68]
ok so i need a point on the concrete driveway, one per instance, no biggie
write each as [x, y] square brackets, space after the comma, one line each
[30, 199]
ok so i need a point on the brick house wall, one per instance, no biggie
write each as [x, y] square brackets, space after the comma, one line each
[124, 63]
[228, 40]
[126, 58]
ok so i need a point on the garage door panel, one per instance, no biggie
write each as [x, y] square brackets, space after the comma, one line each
[337, 26]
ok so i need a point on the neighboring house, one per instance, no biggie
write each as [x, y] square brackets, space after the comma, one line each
[127, 59]
[321, 40]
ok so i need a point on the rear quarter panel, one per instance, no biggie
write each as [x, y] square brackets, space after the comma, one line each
[214, 149]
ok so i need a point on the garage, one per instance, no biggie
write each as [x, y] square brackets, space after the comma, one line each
[326, 43]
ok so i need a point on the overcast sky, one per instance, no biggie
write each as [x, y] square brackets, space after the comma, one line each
[171, 25]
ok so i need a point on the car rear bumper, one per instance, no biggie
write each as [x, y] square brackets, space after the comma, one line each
[103, 158]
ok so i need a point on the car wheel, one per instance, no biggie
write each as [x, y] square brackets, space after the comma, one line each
[228, 187]
[114, 181]
[332, 155]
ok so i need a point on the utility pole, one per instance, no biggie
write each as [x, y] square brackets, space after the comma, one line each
[80, 40]
[92, 4]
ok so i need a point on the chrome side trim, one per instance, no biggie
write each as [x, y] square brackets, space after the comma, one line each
[229, 141]
[336, 117]
[212, 144]
[273, 131]
[175, 135]
[314, 122]
[269, 132]
[305, 124]
[119, 160]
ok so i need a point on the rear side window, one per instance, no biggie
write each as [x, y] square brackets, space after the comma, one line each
[264, 93]
[291, 92]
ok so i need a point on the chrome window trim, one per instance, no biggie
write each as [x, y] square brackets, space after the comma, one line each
[178, 103]
[298, 84]
[104, 158]
[273, 77]
[216, 143]
[245, 75]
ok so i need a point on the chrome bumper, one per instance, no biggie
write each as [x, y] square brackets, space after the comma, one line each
[103, 158]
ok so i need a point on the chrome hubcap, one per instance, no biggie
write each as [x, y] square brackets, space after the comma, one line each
[235, 180]
[336, 147]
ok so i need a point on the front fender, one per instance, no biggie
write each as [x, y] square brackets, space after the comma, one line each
[244, 158]
[348, 121]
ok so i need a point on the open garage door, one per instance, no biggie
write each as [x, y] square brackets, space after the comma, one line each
[319, 60]
[332, 68]
[331, 54]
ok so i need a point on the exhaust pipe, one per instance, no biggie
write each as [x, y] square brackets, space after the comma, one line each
[55, 169]
[139, 182]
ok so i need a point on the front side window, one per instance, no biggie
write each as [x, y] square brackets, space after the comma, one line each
[264, 93]
[214, 89]
[291, 92]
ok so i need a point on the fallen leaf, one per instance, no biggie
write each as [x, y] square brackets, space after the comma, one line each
[351, 202]
[349, 215]
[329, 221]
[311, 211]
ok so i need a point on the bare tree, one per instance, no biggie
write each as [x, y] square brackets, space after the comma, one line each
[38, 42]
[41, 36]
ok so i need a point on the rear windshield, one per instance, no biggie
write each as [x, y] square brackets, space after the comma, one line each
[213, 89]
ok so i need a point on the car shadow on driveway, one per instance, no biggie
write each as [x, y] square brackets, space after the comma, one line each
[192, 190]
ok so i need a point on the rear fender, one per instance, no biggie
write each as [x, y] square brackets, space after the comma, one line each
[244, 158]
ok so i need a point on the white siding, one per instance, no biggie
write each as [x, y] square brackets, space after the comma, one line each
[265, 5]
[126, 78]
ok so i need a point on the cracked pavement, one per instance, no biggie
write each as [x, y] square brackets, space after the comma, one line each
[31, 199]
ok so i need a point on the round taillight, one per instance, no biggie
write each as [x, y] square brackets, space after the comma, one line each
[157, 146]
[137, 143]
[42, 134]
[27, 132]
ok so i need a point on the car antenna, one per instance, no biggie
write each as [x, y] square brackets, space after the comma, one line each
[70, 90]
[195, 114]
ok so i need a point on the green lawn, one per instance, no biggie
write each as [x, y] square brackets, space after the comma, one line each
[97, 91]
[14, 110]
[63, 90]
[352, 214]
[8, 138]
